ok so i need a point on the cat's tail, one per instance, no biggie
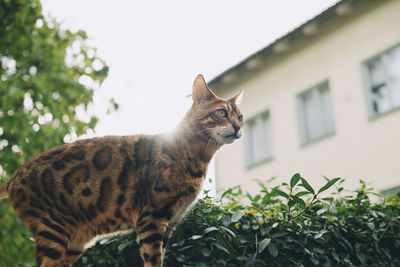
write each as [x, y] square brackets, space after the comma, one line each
[3, 190]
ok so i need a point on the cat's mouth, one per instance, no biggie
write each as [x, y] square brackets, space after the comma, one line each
[229, 138]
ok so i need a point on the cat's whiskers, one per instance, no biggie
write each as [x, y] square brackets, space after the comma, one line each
[212, 139]
[227, 130]
[215, 140]
[219, 141]
[201, 131]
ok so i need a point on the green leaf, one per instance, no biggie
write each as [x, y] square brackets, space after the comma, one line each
[362, 257]
[220, 247]
[104, 241]
[226, 220]
[302, 193]
[263, 244]
[185, 248]
[273, 250]
[237, 215]
[335, 256]
[299, 201]
[221, 261]
[206, 252]
[228, 231]
[249, 197]
[295, 179]
[229, 192]
[256, 198]
[328, 185]
[122, 246]
[280, 193]
[278, 234]
[245, 227]
[307, 186]
[210, 229]
[320, 211]
[320, 234]
[180, 258]
[315, 261]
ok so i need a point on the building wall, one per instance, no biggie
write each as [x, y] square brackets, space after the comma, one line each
[361, 148]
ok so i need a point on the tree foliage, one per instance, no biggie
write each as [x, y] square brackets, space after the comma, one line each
[47, 78]
[290, 225]
[47, 74]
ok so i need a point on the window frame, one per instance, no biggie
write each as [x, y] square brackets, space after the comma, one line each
[268, 158]
[301, 121]
[365, 74]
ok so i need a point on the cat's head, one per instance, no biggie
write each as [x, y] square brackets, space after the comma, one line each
[218, 119]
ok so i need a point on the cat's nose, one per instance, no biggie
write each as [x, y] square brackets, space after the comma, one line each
[237, 128]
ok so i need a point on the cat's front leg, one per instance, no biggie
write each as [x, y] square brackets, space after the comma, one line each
[151, 233]
[167, 235]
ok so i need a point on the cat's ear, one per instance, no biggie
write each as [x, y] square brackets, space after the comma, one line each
[237, 99]
[201, 92]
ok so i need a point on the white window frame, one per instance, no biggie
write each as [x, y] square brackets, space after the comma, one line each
[326, 126]
[249, 146]
[372, 113]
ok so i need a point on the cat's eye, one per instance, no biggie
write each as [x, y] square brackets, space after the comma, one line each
[240, 118]
[222, 112]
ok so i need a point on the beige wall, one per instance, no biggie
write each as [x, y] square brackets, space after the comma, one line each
[360, 148]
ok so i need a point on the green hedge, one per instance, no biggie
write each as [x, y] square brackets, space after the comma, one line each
[290, 225]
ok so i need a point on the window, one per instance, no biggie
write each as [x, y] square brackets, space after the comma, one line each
[258, 144]
[382, 80]
[315, 113]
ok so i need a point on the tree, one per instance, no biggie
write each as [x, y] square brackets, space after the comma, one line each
[48, 76]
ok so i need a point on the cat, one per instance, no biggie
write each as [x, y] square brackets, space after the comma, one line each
[69, 194]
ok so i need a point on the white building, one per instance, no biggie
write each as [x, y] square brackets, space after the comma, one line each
[323, 100]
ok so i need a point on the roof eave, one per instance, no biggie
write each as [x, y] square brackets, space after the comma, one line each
[341, 8]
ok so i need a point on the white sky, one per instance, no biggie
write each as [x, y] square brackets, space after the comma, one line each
[155, 49]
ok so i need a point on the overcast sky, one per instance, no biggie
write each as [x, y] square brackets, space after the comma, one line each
[155, 49]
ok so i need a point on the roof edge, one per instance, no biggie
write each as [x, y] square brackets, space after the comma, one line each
[340, 8]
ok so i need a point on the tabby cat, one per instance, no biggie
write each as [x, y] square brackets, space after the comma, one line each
[71, 193]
